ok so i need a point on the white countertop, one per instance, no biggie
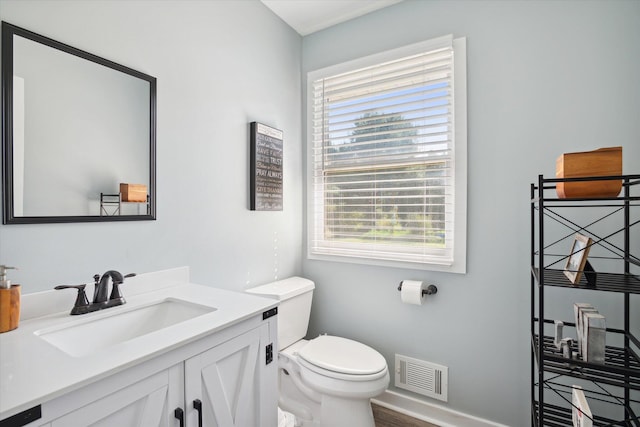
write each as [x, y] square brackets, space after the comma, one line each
[33, 371]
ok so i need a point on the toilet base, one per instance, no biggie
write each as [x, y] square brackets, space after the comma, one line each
[344, 414]
[330, 411]
[340, 412]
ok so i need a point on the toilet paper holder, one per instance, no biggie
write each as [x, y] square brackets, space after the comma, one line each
[431, 289]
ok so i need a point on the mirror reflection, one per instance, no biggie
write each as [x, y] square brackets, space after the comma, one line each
[80, 137]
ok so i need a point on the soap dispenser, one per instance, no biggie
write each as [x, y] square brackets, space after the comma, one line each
[9, 302]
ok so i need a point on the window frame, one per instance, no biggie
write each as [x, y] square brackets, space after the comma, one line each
[459, 148]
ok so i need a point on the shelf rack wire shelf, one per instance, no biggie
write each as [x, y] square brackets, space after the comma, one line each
[111, 204]
[550, 405]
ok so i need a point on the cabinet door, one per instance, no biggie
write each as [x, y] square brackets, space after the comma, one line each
[228, 380]
[146, 403]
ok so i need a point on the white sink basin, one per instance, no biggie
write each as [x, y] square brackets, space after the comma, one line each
[123, 325]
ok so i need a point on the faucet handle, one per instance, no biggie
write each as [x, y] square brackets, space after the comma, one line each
[82, 303]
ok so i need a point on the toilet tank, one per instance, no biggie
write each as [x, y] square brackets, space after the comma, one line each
[295, 295]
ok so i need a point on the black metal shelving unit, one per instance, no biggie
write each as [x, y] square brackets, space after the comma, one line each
[613, 387]
[111, 204]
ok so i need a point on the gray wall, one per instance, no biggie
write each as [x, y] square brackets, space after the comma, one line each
[544, 77]
[219, 65]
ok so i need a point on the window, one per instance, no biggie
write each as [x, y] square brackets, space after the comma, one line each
[387, 158]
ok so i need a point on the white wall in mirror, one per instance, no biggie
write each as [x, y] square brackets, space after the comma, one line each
[67, 167]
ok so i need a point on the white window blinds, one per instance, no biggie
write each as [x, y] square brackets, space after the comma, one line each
[382, 159]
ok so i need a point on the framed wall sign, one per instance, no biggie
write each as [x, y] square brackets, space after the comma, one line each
[266, 168]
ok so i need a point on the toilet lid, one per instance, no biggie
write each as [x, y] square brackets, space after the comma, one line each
[342, 355]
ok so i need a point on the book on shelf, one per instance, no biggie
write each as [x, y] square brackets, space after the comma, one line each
[578, 309]
[594, 334]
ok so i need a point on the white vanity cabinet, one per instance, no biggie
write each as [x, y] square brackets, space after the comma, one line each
[226, 379]
[145, 403]
[226, 383]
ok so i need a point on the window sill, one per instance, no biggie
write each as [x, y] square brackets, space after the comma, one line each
[447, 268]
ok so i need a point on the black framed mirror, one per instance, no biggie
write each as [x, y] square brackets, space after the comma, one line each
[78, 134]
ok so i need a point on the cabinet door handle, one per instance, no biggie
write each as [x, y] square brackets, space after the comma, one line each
[197, 405]
[179, 414]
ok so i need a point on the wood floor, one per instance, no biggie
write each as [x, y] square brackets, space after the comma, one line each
[387, 418]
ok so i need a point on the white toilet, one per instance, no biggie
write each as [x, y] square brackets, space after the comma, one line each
[326, 381]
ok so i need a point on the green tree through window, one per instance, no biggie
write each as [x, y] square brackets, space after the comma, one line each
[405, 202]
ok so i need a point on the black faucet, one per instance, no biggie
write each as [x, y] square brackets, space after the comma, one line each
[101, 290]
[102, 286]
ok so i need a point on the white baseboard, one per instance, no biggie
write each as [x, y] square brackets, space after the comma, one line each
[429, 412]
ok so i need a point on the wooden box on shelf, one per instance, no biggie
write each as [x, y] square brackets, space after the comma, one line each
[601, 162]
[133, 192]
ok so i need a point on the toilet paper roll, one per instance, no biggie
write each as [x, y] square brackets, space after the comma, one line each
[411, 292]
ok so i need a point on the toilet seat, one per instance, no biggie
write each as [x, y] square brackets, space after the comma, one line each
[342, 358]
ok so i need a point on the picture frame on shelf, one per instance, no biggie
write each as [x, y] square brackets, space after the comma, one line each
[580, 411]
[577, 258]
